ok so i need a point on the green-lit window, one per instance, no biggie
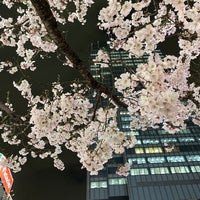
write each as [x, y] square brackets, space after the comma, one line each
[123, 112]
[125, 126]
[168, 140]
[159, 170]
[139, 171]
[186, 139]
[180, 169]
[138, 142]
[185, 131]
[137, 161]
[136, 133]
[139, 150]
[126, 118]
[96, 76]
[162, 132]
[117, 181]
[98, 184]
[127, 132]
[156, 159]
[195, 168]
[150, 141]
[192, 158]
[175, 159]
[153, 150]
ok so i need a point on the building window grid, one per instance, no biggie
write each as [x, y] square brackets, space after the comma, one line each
[165, 170]
[98, 184]
[117, 181]
[195, 168]
[159, 170]
[163, 159]
[184, 169]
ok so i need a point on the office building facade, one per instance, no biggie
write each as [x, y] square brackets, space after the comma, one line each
[163, 166]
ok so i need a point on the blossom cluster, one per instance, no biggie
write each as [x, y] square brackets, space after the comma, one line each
[124, 170]
[26, 28]
[160, 97]
[65, 120]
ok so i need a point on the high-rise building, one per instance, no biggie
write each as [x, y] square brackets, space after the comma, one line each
[163, 166]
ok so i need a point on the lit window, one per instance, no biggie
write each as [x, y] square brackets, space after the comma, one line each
[137, 161]
[159, 170]
[153, 150]
[117, 181]
[138, 141]
[135, 132]
[175, 159]
[123, 112]
[193, 158]
[98, 184]
[150, 141]
[180, 169]
[162, 132]
[186, 139]
[96, 76]
[139, 150]
[168, 140]
[125, 126]
[127, 132]
[139, 171]
[126, 118]
[195, 168]
[156, 160]
[185, 131]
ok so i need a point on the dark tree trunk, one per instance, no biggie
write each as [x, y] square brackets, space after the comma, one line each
[44, 12]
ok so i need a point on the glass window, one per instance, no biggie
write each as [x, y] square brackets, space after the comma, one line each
[96, 76]
[125, 125]
[186, 139]
[168, 140]
[162, 132]
[180, 169]
[175, 159]
[159, 170]
[117, 181]
[191, 158]
[150, 141]
[98, 184]
[123, 112]
[126, 118]
[138, 141]
[153, 150]
[135, 132]
[139, 150]
[185, 131]
[195, 168]
[139, 171]
[137, 161]
[156, 159]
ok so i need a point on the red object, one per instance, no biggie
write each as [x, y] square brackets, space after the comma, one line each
[6, 178]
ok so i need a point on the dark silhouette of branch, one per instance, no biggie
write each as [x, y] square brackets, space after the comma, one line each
[6, 109]
[44, 12]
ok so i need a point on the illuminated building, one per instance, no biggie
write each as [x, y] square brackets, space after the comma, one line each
[163, 166]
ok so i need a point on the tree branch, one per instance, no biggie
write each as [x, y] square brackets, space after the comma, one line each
[6, 109]
[43, 10]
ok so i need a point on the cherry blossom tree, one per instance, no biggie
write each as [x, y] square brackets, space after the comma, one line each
[161, 92]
